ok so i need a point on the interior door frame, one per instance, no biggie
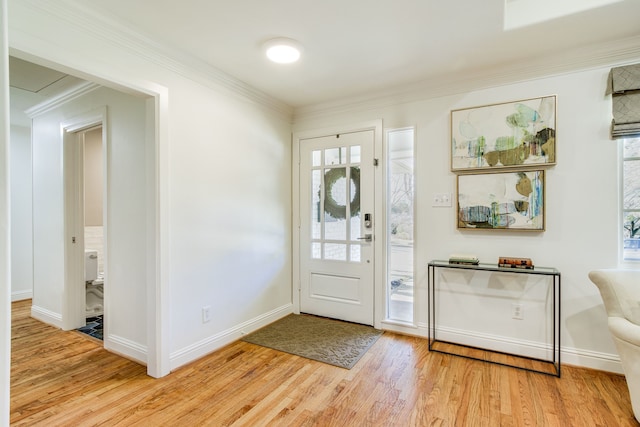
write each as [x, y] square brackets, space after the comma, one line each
[157, 134]
[378, 210]
[74, 302]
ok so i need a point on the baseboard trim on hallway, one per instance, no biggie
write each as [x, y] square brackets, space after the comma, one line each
[219, 340]
[126, 348]
[47, 316]
[21, 295]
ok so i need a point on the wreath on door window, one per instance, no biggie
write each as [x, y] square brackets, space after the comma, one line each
[331, 206]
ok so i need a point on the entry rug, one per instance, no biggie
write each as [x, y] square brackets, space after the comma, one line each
[318, 338]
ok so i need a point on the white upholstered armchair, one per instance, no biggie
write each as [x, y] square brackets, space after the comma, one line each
[620, 291]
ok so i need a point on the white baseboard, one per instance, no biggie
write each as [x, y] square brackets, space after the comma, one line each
[215, 342]
[21, 295]
[404, 328]
[592, 359]
[126, 348]
[568, 355]
[113, 343]
[46, 316]
[538, 350]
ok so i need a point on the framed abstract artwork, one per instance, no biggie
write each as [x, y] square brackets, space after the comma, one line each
[508, 135]
[503, 200]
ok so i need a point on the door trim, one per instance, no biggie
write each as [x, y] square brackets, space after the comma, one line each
[74, 301]
[378, 226]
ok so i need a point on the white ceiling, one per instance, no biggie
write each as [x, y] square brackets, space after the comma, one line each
[358, 47]
[31, 84]
[354, 48]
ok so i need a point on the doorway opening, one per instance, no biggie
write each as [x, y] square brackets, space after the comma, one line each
[146, 103]
[94, 254]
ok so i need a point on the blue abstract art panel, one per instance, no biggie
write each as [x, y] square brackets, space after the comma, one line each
[507, 200]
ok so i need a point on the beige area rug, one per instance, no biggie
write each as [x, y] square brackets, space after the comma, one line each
[318, 338]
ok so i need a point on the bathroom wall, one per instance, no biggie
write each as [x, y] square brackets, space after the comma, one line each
[94, 239]
[93, 177]
[93, 194]
[21, 214]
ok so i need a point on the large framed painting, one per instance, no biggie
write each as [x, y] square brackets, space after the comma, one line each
[502, 200]
[509, 135]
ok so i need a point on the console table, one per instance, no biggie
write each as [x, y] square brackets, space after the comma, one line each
[547, 366]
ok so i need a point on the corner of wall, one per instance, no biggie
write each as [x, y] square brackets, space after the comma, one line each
[47, 316]
[215, 342]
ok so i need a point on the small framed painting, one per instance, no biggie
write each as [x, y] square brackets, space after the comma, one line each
[509, 135]
[503, 200]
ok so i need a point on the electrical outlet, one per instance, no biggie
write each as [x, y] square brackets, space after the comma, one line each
[441, 200]
[206, 314]
[516, 311]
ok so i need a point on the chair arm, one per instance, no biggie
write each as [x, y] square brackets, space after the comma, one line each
[625, 330]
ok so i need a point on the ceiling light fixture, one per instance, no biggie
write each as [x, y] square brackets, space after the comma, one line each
[283, 50]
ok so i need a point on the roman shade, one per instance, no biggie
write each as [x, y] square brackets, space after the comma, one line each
[624, 86]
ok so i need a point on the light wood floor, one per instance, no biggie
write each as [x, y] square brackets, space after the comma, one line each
[64, 379]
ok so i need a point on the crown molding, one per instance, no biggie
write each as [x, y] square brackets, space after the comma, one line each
[559, 63]
[107, 28]
[61, 99]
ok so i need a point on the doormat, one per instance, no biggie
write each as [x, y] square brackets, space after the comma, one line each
[325, 340]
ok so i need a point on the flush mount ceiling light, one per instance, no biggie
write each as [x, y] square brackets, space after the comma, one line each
[283, 50]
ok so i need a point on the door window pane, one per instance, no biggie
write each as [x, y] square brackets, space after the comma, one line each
[335, 156]
[316, 250]
[354, 206]
[355, 253]
[316, 158]
[335, 208]
[335, 251]
[355, 154]
[316, 185]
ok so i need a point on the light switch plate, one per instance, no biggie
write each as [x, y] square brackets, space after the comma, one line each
[442, 200]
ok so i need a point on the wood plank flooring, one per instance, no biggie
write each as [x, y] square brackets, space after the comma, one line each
[66, 379]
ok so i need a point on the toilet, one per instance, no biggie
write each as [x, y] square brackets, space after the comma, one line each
[94, 284]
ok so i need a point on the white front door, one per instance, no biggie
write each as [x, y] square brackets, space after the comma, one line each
[336, 226]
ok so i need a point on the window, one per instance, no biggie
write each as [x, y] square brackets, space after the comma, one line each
[631, 199]
[400, 199]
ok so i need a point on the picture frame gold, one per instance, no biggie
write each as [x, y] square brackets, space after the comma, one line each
[509, 135]
[513, 200]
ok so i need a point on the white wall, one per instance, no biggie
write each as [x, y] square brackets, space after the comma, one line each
[223, 181]
[5, 242]
[581, 201]
[21, 231]
[48, 218]
[230, 218]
